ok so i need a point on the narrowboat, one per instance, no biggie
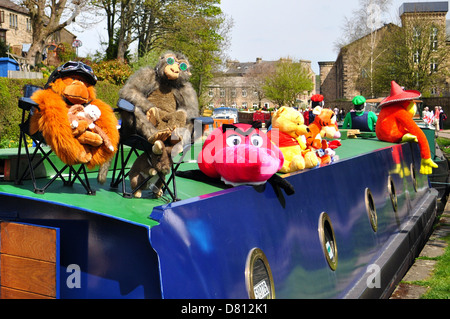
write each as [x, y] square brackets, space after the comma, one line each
[351, 230]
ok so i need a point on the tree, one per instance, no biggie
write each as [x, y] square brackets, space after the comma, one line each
[365, 22]
[48, 17]
[256, 78]
[289, 80]
[416, 56]
[200, 33]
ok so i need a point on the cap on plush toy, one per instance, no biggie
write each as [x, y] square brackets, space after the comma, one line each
[317, 99]
[359, 102]
[73, 68]
[399, 95]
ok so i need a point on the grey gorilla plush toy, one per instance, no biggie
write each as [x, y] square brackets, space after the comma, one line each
[164, 101]
[163, 97]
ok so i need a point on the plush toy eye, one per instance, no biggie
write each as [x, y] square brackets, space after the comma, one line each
[170, 61]
[233, 140]
[183, 66]
[257, 140]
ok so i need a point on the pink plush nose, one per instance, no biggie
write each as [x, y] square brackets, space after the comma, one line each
[247, 164]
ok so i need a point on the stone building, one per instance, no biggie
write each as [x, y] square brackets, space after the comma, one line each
[15, 26]
[239, 85]
[16, 32]
[339, 79]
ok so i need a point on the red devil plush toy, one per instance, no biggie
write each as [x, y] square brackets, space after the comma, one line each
[239, 154]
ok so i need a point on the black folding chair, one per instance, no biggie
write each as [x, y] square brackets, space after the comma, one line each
[139, 145]
[28, 106]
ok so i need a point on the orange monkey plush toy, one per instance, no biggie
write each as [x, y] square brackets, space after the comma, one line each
[71, 84]
[395, 124]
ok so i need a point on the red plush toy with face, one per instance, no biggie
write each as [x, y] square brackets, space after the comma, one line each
[395, 124]
[240, 154]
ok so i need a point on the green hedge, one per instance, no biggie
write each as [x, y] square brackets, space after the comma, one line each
[10, 114]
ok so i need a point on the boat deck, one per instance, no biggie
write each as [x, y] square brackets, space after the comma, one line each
[110, 202]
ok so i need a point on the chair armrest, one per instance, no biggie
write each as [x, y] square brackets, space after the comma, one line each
[26, 103]
[206, 120]
[125, 105]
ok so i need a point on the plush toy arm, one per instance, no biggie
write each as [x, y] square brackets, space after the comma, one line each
[347, 121]
[426, 166]
[138, 87]
[409, 138]
[405, 119]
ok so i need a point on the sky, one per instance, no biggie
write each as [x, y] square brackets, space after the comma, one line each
[271, 29]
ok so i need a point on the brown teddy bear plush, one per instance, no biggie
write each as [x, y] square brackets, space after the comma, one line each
[82, 121]
[72, 83]
[143, 167]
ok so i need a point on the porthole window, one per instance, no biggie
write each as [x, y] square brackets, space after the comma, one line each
[413, 176]
[392, 193]
[258, 276]
[328, 241]
[371, 210]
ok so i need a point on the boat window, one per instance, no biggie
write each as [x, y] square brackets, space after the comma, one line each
[258, 276]
[371, 210]
[328, 241]
[392, 193]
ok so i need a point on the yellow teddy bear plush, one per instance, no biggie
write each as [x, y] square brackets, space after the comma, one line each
[288, 133]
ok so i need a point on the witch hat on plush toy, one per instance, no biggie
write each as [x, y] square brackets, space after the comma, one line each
[399, 95]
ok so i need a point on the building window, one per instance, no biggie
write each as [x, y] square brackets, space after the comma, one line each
[222, 92]
[434, 39]
[244, 105]
[211, 93]
[416, 57]
[29, 24]
[13, 24]
[3, 36]
[433, 66]
[2, 16]
[233, 93]
[433, 91]
[244, 93]
[416, 33]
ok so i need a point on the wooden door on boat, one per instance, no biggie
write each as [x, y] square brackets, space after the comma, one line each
[29, 261]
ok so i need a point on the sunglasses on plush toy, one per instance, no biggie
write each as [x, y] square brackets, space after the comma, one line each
[183, 65]
[73, 65]
[77, 67]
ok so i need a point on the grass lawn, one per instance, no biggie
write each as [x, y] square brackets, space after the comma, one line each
[439, 283]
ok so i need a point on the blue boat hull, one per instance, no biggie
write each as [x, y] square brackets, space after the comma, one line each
[201, 246]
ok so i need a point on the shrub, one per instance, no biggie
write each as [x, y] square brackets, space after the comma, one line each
[113, 71]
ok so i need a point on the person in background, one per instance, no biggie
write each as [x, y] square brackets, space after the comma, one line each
[436, 117]
[362, 120]
[442, 118]
[341, 114]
